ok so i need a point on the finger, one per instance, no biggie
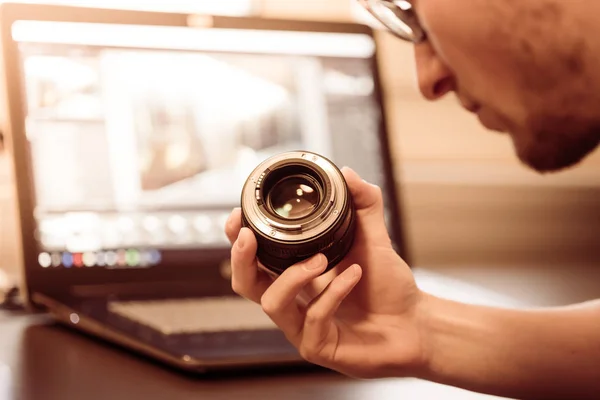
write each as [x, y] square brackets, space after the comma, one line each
[233, 225]
[365, 195]
[279, 301]
[246, 279]
[368, 200]
[320, 313]
[317, 285]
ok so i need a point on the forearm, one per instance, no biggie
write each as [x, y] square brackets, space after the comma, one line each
[525, 354]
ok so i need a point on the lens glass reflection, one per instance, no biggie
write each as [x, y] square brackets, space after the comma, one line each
[294, 197]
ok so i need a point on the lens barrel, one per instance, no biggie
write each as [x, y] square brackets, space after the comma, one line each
[298, 204]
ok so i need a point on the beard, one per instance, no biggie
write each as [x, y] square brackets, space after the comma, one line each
[557, 84]
[551, 144]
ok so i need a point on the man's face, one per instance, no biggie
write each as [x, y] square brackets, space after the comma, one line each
[525, 67]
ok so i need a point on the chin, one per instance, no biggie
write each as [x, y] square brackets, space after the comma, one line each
[554, 155]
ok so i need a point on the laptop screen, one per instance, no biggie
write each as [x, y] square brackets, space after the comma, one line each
[141, 137]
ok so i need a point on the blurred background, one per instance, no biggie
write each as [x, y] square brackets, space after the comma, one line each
[466, 199]
[479, 227]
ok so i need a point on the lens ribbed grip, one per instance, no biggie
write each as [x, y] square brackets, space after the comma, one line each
[334, 244]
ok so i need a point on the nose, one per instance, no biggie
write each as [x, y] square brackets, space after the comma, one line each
[435, 78]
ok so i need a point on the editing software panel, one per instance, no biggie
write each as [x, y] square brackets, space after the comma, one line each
[140, 152]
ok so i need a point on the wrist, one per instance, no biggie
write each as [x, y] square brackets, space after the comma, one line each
[440, 325]
[419, 363]
[453, 336]
[425, 314]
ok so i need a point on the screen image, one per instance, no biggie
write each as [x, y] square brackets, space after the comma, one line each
[140, 149]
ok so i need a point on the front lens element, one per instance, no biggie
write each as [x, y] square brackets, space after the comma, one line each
[294, 197]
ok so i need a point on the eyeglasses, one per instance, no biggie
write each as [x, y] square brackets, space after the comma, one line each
[398, 16]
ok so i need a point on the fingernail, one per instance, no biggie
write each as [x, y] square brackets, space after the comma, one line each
[351, 273]
[240, 240]
[315, 262]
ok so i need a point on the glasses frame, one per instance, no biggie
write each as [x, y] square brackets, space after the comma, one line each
[412, 22]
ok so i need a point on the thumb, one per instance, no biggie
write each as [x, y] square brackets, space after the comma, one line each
[368, 200]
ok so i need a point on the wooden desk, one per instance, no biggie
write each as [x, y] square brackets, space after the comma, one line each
[41, 360]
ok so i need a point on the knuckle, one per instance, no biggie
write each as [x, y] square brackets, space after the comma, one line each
[314, 316]
[308, 353]
[313, 352]
[269, 306]
[237, 287]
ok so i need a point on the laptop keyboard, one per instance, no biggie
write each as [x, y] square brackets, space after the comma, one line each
[197, 315]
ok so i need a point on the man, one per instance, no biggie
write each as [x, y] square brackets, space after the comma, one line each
[527, 68]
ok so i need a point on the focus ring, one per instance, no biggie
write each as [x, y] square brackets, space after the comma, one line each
[335, 245]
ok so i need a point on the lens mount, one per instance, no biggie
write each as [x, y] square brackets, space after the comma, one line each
[294, 197]
[298, 204]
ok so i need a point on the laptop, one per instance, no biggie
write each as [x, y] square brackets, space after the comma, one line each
[131, 134]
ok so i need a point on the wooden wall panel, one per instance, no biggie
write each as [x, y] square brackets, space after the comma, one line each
[338, 10]
[503, 225]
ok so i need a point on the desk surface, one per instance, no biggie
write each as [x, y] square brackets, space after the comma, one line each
[42, 360]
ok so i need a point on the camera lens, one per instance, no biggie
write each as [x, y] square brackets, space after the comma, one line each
[294, 197]
[298, 204]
